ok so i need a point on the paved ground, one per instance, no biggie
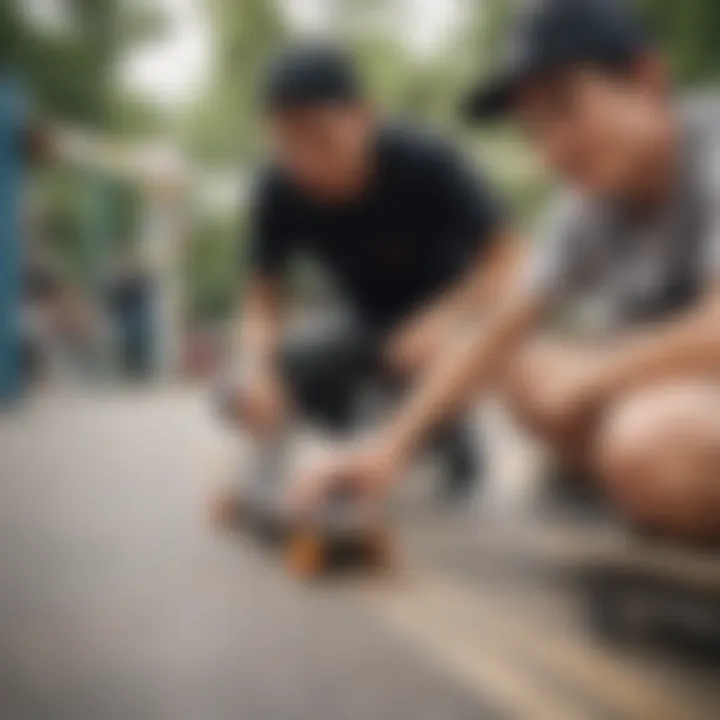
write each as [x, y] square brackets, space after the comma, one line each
[116, 601]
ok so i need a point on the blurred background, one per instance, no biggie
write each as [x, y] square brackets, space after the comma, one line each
[128, 143]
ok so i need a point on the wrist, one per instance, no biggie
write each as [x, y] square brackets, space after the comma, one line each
[259, 369]
[605, 382]
[395, 449]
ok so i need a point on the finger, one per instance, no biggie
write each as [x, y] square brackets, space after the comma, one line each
[375, 494]
[366, 503]
[298, 496]
[310, 493]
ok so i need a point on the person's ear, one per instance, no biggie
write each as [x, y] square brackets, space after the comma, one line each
[366, 113]
[652, 73]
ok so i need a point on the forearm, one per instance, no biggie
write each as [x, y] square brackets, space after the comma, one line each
[493, 272]
[464, 370]
[258, 330]
[257, 340]
[489, 275]
[417, 342]
[690, 344]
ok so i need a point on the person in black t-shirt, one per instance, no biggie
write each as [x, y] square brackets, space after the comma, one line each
[412, 237]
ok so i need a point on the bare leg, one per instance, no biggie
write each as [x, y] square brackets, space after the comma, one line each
[658, 453]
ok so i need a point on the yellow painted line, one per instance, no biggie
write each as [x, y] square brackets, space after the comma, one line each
[492, 647]
[479, 666]
[592, 669]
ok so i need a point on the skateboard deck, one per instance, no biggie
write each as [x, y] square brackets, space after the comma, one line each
[635, 586]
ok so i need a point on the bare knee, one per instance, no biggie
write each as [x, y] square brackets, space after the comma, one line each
[658, 454]
[526, 380]
[626, 452]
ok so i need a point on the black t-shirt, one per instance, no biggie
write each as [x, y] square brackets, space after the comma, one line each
[423, 219]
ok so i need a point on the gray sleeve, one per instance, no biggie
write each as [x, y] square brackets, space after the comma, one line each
[701, 115]
[712, 262]
[553, 270]
[711, 251]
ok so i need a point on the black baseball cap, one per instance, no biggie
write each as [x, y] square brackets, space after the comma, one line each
[548, 35]
[307, 75]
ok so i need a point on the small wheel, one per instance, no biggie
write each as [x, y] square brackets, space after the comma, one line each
[379, 549]
[305, 556]
[225, 510]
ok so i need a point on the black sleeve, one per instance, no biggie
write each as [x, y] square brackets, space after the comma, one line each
[272, 230]
[471, 210]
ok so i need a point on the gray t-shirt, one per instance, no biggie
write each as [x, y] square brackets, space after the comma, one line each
[615, 269]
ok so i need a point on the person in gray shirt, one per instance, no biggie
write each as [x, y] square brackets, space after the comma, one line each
[633, 243]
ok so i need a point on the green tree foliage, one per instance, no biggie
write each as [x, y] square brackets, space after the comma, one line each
[222, 131]
[690, 31]
[70, 64]
[213, 266]
[223, 127]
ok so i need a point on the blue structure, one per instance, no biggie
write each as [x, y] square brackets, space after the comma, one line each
[11, 172]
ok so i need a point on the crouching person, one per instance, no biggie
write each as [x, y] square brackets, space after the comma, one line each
[412, 239]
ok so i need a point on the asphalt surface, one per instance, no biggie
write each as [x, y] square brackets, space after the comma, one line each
[118, 601]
